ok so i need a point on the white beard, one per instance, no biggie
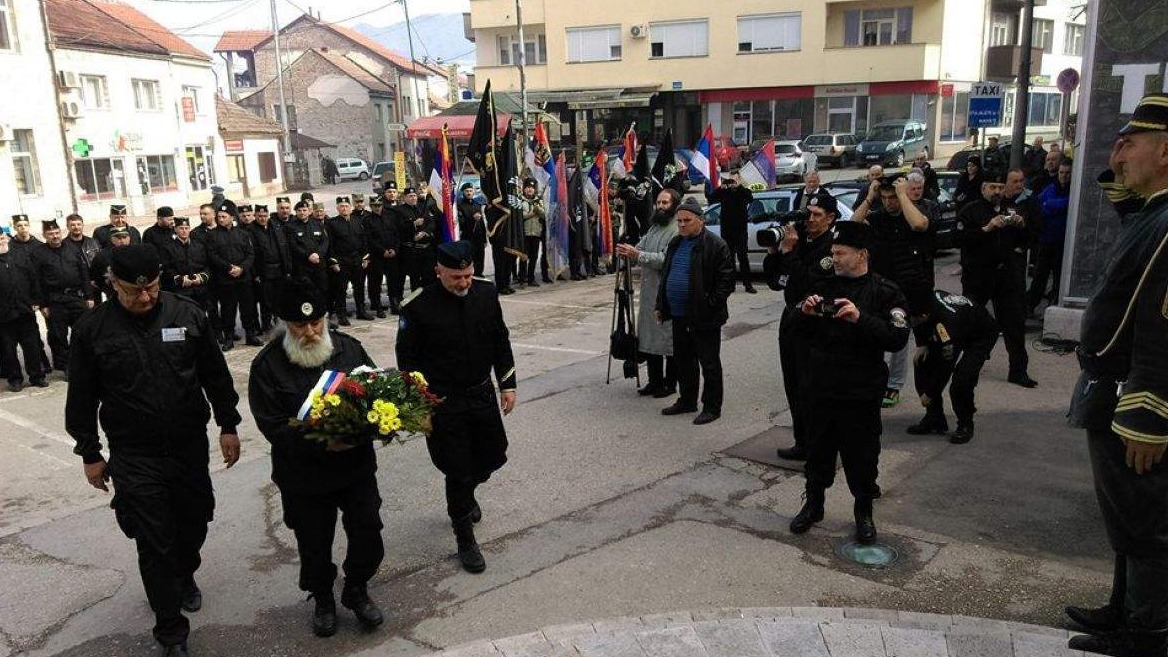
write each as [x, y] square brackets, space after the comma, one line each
[309, 357]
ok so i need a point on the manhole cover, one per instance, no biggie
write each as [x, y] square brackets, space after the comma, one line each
[872, 556]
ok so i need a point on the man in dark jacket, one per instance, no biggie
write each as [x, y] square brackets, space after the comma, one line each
[735, 200]
[271, 267]
[1053, 203]
[185, 268]
[98, 269]
[932, 184]
[381, 234]
[162, 231]
[472, 227]
[308, 247]
[146, 365]
[232, 260]
[318, 479]
[18, 326]
[416, 229]
[117, 219]
[65, 292]
[696, 281]
[348, 259]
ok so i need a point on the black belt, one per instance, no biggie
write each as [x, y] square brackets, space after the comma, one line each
[469, 389]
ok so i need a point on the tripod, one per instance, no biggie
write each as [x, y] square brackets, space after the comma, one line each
[623, 343]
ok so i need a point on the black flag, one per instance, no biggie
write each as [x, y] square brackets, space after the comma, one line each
[665, 168]
[504, 222]
[482, 150]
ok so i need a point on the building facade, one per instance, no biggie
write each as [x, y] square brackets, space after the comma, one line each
[252, 148]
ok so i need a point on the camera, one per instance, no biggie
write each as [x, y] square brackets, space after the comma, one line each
[826, 308]
[773, 235]
[770, 236]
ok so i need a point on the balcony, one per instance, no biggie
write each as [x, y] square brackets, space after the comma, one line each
[1013, 5]
[486, 14]
[1004, 62]
[467, 29]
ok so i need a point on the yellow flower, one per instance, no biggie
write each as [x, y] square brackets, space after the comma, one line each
[384, 430]
[333, 400]
[315, 414]
[373, 417]
[419, 379]
[395, 424]
[390, 410]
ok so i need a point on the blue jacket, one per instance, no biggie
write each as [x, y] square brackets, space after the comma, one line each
[1054, 201]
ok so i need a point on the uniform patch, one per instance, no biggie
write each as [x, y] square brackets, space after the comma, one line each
[957, 300]
[411, 296]
[899, 318]
[306, 309]
[826, 263]
[177, 334]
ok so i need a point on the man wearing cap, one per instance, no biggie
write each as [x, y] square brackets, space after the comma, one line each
[185, 268]
[798, 262]
[23, 241]
[217, 196]
[848, 321]
[232, 259]
[162, 232]
[117, 219]
[416, 228]
[359, 209]
[18, 325]
[246, 214]
[1122, 340]
[64, 290]
[697, 279]
[381, 232]
[317, 479]
[308, 248]
[735, 200]
[534, 215]
[452, 331]
[145, 364]
[472, 227]
[99, 268]
[271, 265]
[319, 213]
[390, 193]
[283, 211]
[348, 259]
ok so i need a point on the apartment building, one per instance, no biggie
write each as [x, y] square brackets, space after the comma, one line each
[760, 67]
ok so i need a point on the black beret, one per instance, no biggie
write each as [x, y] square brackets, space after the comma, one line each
[117, 208]
[994, 177]
[165, 211]
[391, 185]
[19, 217]
[228, 207]
[261, 208]
[244, 208]
[456, 255]
[825, 201]
[853, 233]
[51, 224]
[181, 221]
[306, 196]
[283, 199]
[136, 264]
[342, 199]
[973, 159]
[691, 204]
[529, 182]
[299, 301]
[409, 190]
[302, 204]
[466, 186]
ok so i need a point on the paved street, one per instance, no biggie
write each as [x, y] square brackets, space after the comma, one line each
[605, 510]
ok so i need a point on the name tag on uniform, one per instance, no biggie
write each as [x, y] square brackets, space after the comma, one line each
[174, 334]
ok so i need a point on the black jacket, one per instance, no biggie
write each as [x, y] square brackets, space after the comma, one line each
[18, 286]
[711, 281]
[406, 216]
[305, 238]
[735, 206]
[381, 232]
[62, 274]
[469, 228]
[271, 251]
[148, 380]
[158, 236]
[276, 390]
[981, 251]
[968, 189]
[227, 248]
[347, 243]
[904, 255]
[98, 270]
[180, 260]
[86, 246]
[955, 324]
[794, 273]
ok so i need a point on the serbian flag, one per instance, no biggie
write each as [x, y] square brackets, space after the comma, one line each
[442, 182]
[605, 214]
[704, 159]
[759, 172]
[629, 156]
[327, 384]
[560, 227]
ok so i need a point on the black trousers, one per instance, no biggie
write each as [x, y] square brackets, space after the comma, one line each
[793, 363]
[383, 270]
[269, 293]
[531, 246]
[935, 372]
[1005, 289]
[662, 370]
[350, 275]
[504, 263]
[1049, 266]
[22, 332]
[847, 428]
[418, 265]
[164, 505]
[235, 297]
[313, 519]
[479, 250]
[737, 246]
[1135, 513]
[694, 348]
[460, 499]
[62, 315]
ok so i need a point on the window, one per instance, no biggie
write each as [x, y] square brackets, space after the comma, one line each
[94, 92]
[594, 44]
[773, 32]
[193, 94]
[1073, 44]
[7, 26]
[1003, 28]
[159, 173]
[1043, 34]
[534, 50]
[267, 166]
[236, 172]
[279, 116]
[1045, 109]
[100, 179]
[680, 39]
[24, 163]
[146, 95]
[878, 27]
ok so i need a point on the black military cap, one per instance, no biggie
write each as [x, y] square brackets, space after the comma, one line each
[19, 217]
[117, 208]
[283, 199]
[228, 207]
[409, 190]
[466, 186]
[456, 255]
[994, 177]
[391, 185]
[181, 221]
[358, 198]
[318, 206]
[1150, 115]
[299, 301]
[136, 264]
[307, 196]
[244, 208]
[375, 202]
[691, 204]
[825, 201]
[51, 224]
[261, 208]
[302, 204]
[165, 211]
[973, 159]
[120, 231]
[853, 233]
[342, 199]
[529, 182]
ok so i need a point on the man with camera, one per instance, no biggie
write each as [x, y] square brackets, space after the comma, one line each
[735, 200]
[798, 256]
[848, 321]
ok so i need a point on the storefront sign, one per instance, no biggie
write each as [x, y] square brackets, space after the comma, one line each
[985, 105]
[126, 141]
[399, 169]
[233, 145]
[841, 90]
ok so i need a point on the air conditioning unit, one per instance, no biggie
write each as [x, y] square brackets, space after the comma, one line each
[68, 80]
[638, 31]
[5, 132]
[70, 109]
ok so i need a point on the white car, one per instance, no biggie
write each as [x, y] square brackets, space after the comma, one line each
[351, 167]
[793, 160]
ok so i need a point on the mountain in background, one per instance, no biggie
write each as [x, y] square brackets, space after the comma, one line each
[436, 37]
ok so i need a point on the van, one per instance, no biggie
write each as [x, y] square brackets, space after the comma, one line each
[892, 142]
[351, 167]
[833, 148]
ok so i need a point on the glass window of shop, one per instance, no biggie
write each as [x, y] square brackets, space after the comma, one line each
[159, 173]
[842, 114]
[100, 178]
[954, 117]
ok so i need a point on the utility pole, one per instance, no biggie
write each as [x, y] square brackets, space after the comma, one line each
[280, 82]
[522, 66]
[414, 68]
[1022, 100]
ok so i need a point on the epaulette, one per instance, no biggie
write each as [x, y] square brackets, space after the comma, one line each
[483, 279]
[411, 296]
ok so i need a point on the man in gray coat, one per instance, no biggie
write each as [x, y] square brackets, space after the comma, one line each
[655, 340]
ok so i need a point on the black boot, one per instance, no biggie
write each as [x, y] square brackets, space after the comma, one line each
[468, 549]
[356, 598]
[963, 433]
[796, 452]
[811, 513]
[192, 597]
[228, 341]
[1122, 643]
[177, 650]
[476, 514]
[395, 306]
[363, 314]
[865, 525]
[253, 340]
[1109, 617]
[324, 616]
[929, 425]
[343, 319]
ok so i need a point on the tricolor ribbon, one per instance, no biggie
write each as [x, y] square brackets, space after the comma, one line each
[327, 384]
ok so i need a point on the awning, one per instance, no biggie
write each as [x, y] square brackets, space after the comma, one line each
[457, 127]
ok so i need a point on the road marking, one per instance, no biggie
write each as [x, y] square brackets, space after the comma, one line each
[557, 305]
[565, 350]
[36, 428]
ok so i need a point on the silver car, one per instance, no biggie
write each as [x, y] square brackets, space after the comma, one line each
[793, 160]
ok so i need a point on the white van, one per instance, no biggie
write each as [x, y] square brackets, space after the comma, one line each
[352, 167]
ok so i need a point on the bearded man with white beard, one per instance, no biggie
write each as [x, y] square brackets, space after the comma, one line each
[316, 479]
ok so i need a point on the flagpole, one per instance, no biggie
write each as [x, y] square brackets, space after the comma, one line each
[522, 66]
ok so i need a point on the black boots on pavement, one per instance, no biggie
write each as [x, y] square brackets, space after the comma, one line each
[354, 597]
[324, 615]
[469, 554]
[865, 525]
[812, 512]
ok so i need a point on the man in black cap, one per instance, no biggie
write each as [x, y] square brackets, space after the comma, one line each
[117, 219]
[271, 266]
[416, 229]
[146, 364]
[319, 213]
[185, 268]
[472, 226]
[308, 248]
[23, 241]
[348, 259]
[381, 231]
[848, 321]
[452, 331]
[245, 213]
[735, 200]
[316, 478]
[359, 209]
[283, 211]
[232, 259]
[389, 192]
[99, 268]
[162, 232]
[534, 216]
[1122, 396]
[64, 290]
[18, 325]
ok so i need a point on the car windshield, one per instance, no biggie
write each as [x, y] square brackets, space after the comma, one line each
[785, 149]
[818, 140]
[381, 168]
[886, 133]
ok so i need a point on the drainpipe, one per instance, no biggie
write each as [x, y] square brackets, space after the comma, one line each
[51, 48]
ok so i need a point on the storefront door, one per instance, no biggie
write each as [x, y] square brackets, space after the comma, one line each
[841, 115]
[200, 172]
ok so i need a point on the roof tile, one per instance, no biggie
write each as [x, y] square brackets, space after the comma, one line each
[112, 25]
[233, 40]
[237, 120]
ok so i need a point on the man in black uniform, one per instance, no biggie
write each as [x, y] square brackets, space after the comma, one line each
[146, 363]
[23, 241]
[18, 325]
[283, 211]
[348, 259]
[954, 339]
[206, 223]
[76, 239]
[381, 232]
[415, 228]
[452, 331]
[308, 248]
[117, 219]
[162, 232]
[271, 266]
[472, 227]
[849, 320]
[359, 209]
[64, 290]
[185, 268]
[232, 259]
[735, 200]
[318, 479]
[98, 269]
[1122, 396]
[798, 262]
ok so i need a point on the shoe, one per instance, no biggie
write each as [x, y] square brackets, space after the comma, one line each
[343, 320]
[678, 408]
[192, 597]
[1122, 643]
[865, 525]
[532, 283]
[380, 313]
[228, 345]
[324, 615]
[1101, 619]
[253, 340]
[795, 453]
[469, 554]
[578, 277]
[15, 386]
[749, 289]
[235, 337]
[891, 398]
[355, 597]
[706, 417]
[664, 392]
[963, 434]
[928, 426]
[649, 389]
[506, 290]
[364, 315]
[177, 650]
[811, 513]
[1022, 379]
[41, 383]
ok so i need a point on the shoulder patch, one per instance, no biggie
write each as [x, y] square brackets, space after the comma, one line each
[826, 263]
[412, 295]
[899, 318]
[483, 279]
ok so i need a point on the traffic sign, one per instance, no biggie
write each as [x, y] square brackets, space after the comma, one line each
[985, 105]
[1068, 80]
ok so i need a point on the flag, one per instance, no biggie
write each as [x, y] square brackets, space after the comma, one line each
[665, 168]
[619, 170]
[705, 160]
[605, 213]
[559, 229]
[593, 182]
[442, 184]
[505, 223]
[578, 196]
[630, 142]
[641, 165]
[759, 172]
[482, 149]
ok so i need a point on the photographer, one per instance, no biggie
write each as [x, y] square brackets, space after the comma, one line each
[735, 200]
[798, 256]
[848, 321]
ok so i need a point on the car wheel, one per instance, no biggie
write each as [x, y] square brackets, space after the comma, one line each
[363, 176]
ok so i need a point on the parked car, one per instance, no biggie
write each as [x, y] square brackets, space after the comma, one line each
[957, 160]
[352, 167]
[890, 141]
[793, 160]
[838, 148]
[383, 172]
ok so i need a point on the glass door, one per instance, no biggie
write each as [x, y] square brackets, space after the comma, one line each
[841, 114]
